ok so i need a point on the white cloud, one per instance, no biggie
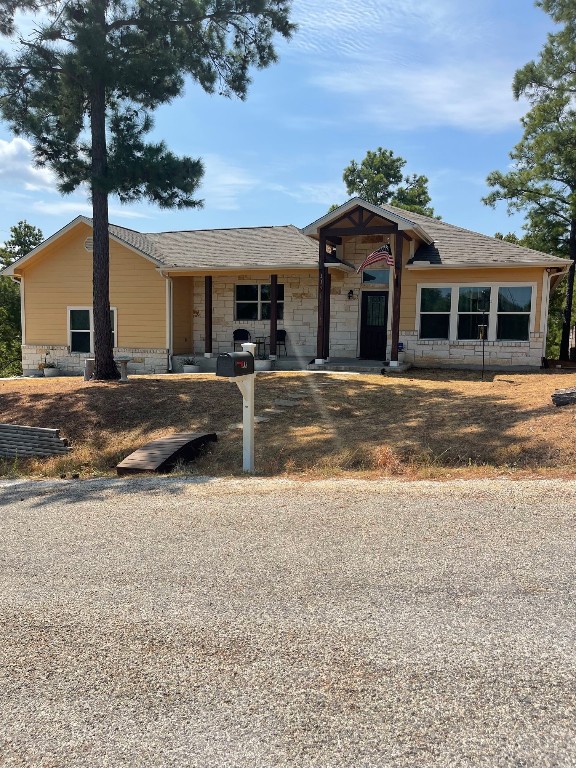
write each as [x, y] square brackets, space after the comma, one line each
[334, 27]
[322, 193]
[83, 207]
[224, 184]
[457, 95]
[408, 64]
[17, 166]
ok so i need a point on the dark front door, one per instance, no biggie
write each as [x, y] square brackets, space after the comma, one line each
[373, 320]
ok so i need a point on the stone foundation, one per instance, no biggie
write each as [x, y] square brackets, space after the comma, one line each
[468, 354]
[72, 363]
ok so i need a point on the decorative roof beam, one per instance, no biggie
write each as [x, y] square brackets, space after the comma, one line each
[350, 231]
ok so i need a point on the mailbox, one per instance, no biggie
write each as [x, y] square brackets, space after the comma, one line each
[234, 364]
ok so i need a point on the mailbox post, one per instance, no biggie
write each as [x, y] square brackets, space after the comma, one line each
[239, 368]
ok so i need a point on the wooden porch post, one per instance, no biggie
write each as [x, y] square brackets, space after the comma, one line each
[208, 314]
[399, 242]
[322, 273]
[273, 312]
[328, 284]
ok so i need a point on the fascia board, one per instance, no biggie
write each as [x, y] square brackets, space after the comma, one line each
[269, 268]
[563, 265]
[45, 243]
[9, 270]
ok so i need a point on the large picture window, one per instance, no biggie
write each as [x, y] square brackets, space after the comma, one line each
[435, 308]
[81, 329]
[253, 302]
[514, 306]
[473, 310]
[457, 312]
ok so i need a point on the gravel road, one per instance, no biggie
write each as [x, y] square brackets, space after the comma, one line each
[256, 623]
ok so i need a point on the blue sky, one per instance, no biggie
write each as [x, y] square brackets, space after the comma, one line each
[428, 79]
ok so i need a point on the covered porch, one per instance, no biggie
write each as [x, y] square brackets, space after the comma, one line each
[352, 233]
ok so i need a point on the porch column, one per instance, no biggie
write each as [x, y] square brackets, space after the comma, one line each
[322, 275]
[328, 284]
[399, 242]
[208, 315]
[273, 313]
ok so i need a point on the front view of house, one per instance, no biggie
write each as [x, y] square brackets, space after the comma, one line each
[436, 291]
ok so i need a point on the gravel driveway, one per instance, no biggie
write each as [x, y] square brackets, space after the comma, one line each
[256, 623]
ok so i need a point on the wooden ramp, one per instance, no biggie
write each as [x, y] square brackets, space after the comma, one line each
[161, 455]
[20, 442]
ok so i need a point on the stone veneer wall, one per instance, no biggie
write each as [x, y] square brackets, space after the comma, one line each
[72, 363]
[468, 354]
[300, 313]
[300, 318]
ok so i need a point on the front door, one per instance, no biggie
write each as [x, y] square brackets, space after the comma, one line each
[373, 321]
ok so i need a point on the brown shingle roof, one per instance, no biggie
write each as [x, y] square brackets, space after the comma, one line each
[260, 247]
[254, 247]
[453, 245]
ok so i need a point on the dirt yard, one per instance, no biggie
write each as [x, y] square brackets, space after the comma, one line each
[422, 424]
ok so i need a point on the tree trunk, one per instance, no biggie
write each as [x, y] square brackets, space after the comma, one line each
[567, 321]
[104, 365]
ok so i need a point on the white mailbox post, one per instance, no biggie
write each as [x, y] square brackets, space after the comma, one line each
[246, 386]
[239, 368]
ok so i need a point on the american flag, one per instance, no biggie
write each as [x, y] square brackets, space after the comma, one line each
[381, 254]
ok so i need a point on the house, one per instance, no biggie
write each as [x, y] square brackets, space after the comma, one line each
[178, 293]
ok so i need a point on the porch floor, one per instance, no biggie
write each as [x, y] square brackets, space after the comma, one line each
[293, 363]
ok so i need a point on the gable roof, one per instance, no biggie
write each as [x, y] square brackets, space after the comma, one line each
[445, 245]
[397, 215]
[208, 249]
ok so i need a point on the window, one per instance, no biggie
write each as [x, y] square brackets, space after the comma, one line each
[435, 306]
[473, 310]
[81, 329]
[376, 276]
[253, 302]
[457, 312]
[514, 306]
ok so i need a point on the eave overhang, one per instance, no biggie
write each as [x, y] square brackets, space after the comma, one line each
[560, 267]
[14, 269]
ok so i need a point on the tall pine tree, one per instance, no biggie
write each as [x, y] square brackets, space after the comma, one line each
[83, 85]
[378, 179]
[542, 181]
[23, 238]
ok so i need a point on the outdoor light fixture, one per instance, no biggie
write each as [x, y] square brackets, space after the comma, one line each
[350, 294]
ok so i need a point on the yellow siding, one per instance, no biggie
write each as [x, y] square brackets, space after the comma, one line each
[62, 276]
[182, 298]
[411, 278]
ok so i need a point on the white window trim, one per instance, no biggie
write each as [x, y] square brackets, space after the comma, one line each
[91, 315]
[492, 314]
[258, 303]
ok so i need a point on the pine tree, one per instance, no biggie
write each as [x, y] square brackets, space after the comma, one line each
[378, 179]
[542, 181]
[83, 85]
[23, 238]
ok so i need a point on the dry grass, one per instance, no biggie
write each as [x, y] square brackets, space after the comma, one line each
[422, 424]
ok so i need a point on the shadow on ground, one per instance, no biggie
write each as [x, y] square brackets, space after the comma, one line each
[343, 422]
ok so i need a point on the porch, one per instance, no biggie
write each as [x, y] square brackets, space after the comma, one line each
[295, 363]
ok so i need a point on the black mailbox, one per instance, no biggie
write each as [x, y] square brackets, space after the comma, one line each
[233, 364]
